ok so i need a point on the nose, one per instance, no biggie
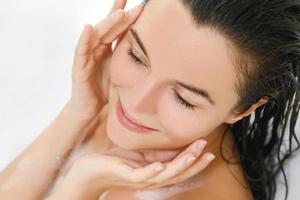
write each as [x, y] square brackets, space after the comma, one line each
[145, 97]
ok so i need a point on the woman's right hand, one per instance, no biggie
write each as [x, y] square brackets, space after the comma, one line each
[93, 173]
[90, 82]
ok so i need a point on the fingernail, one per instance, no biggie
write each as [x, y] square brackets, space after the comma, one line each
[135, 8]
[209, 157]
[201, 144]
[117, 13]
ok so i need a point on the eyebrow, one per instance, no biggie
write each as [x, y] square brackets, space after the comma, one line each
[193, 89]
[139, 41]
[197, 91]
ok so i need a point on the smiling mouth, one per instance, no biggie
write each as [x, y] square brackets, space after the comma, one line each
[128, 122]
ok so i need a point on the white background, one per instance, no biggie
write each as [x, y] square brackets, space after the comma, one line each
[37, 40]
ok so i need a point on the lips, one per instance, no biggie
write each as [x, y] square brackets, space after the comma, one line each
[131, 119]
[129, 122]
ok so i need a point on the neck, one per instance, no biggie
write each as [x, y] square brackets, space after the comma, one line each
[217, 141]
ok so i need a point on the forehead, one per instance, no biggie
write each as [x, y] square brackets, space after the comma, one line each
[196, 55]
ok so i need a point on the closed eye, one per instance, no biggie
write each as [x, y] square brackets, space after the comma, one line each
[134, 57]
[182, 101]
[179, 99]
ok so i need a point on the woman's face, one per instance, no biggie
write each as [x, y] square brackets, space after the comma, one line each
[177, 51]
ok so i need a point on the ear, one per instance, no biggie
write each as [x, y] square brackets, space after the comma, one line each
[251, 109]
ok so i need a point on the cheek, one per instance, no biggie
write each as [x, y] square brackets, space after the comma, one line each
[182, 124]
[122, 71]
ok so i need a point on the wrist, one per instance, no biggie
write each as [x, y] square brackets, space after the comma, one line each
[75, 116]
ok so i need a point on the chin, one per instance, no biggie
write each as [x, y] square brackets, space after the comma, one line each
[118, 142]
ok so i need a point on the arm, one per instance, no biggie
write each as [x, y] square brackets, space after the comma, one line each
[30, 174]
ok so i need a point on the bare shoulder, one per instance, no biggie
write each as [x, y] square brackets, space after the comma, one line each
[222, 181]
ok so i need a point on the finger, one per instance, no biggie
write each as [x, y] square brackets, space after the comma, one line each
[173, 168]
[130, 17]
[117, 5]
[83, 41]
[102, 27]
[107, 32]
[142, 174]
[198, 166]
[139, 175]
[82, 47]
[105, 81]
[182, 162]
[195, 148]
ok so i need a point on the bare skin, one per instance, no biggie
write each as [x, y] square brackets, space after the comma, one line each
[213, 182]
[135, 91]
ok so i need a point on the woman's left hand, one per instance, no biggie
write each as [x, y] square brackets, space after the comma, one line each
[172, 174]
[174, 171]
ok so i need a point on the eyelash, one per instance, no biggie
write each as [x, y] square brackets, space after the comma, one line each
[182, 101]
[134, 58]
[176, 95]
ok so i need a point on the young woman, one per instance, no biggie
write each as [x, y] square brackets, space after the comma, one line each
[206, 90]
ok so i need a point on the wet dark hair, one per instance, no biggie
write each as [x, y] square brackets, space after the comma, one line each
[265, 35]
